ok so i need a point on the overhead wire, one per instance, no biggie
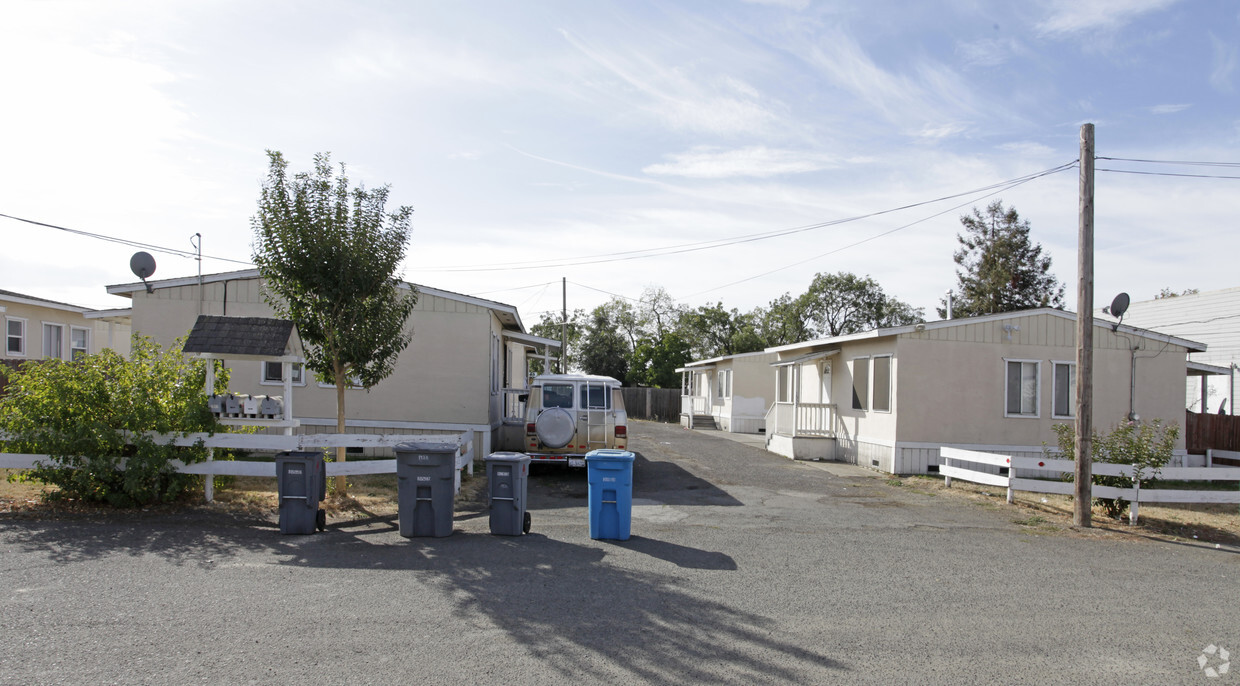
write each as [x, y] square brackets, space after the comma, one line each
[124, 241]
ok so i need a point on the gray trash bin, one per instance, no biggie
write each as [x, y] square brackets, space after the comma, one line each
[301, 485]
[507, 479]
[426, 487]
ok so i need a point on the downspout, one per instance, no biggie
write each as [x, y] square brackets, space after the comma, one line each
[1132, 388]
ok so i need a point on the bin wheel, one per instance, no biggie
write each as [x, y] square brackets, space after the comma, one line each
[320, 520]
[525, 525]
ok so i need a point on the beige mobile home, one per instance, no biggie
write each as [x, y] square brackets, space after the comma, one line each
[890, 398]
[450, 379]
[732, 393]
[37, 328]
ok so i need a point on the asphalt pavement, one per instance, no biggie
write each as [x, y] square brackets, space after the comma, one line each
[743, 567]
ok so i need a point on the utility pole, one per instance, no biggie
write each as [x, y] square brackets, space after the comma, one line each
[1083, 502]
[564, 326]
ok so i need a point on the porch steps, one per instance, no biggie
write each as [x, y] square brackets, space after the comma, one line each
[704, 422]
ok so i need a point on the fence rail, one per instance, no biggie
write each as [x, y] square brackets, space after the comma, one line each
[955, 464]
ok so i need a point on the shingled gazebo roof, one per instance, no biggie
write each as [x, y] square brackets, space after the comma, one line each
[243, 337]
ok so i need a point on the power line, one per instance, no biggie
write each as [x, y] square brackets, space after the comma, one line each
[1183, 162]
[123, 241]
[749, 238]
[1146, 173]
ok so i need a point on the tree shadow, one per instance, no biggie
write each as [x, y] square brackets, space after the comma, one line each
[566, 604]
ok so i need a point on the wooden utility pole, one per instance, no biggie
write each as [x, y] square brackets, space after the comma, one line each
[1081, 510]
[564, 325]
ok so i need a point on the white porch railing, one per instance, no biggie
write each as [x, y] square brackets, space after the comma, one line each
[694, 405]
[801, 419]
[956, 464]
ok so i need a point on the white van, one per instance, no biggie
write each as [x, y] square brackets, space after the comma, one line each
[568, 415]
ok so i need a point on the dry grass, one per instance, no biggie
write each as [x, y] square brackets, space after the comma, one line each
[1049, 513]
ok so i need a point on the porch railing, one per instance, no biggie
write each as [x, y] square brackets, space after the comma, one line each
[801, 419]
[694, 405]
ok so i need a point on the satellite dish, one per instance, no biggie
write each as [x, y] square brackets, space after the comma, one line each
[1119, 305]
[143, 265]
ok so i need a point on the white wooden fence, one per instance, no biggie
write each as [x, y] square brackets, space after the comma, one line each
[462, 443]
[962, 464]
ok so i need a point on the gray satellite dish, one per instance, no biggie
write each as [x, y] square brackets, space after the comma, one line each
[1119, 305]
[143, 265]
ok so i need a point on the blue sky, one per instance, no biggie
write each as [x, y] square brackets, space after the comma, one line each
[552, 133]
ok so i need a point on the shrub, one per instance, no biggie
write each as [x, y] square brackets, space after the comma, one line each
[1145, 445]
[90, 414]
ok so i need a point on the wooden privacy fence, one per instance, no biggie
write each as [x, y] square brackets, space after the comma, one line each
[462, 443]
[655, 404]
[1203, 432]
[963, 464]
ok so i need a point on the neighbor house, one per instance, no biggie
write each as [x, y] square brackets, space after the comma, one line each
[1212, 318]
[450, 379]
[732, 393]
[890, 398]
[37, 328]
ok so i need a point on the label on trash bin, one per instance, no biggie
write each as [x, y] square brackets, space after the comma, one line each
[503, 473]
[609, 478]
[424, 478]
[424, 458]
[294, 470]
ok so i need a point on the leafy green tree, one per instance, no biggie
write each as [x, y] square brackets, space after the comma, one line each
[655, 361]
[605, 350]
[713, 331]
[999, 268]
[329, 256]
[843, 303]
[91, 413]
[658, 313]
[782, 322]
[550, 326]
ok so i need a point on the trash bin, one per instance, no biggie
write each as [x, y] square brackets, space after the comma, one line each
[301, 486]
[425, 488]
[610, 476]
[507, 480]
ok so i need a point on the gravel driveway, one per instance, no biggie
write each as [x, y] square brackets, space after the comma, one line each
[744, 567]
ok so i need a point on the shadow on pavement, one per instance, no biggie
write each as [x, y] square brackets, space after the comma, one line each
[552, 487]
[679, 555]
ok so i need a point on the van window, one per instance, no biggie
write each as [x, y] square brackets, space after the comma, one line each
[557, 395]
[594, 397]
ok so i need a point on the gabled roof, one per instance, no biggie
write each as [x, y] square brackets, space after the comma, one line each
[13, 297]
[507, 314]
[242, 337]
[1192, 346]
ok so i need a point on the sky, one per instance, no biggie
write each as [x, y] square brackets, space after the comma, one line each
[724, 151]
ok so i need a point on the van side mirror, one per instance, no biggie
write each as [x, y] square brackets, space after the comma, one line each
[523, 397]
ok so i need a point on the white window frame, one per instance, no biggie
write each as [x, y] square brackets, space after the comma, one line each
[60, 353]
[1071, 365]
[299, 374]
[874, 382]
[355, 384]
[22, 337]
[1037, 388]
[856, 363]
[785, 384]
[724, 384]
[74, 349]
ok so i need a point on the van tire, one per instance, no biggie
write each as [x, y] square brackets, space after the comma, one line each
[555, 427]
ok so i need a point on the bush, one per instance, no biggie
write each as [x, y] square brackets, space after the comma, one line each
[90, 414]
[1145, 445]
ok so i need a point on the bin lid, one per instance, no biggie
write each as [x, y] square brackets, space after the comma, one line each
[507, 456]
[300, 454]
[611, 454]
[426, 447]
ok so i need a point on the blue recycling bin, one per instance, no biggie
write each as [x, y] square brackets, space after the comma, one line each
[610, 476]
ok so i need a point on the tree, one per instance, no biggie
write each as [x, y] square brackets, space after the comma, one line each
[713, 331]
[552, 326]
[655, 361]
[782, 322]
[1168, 293]
[1000, 269]
[78, 414]
[843, 303]
[328, 256]
[605, 350]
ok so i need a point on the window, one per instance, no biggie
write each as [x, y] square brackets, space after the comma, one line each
[53, 341]
[557, 395]
[1022, 388]
[273, 372]
[882, 384]
[725, 383]
[594, 397]
[79, 342]
[861, 383]
[16, 334]
[783, 383]
[1064, 405]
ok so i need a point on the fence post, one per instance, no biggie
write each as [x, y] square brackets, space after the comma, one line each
[1136, 500]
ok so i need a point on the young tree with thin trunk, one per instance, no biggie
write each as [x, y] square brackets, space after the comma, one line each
[329, 256]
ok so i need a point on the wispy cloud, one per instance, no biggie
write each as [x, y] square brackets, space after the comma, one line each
[1077, 16]
[989, 52]
[1225, 62]
[1169, 109]
[755, 161]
